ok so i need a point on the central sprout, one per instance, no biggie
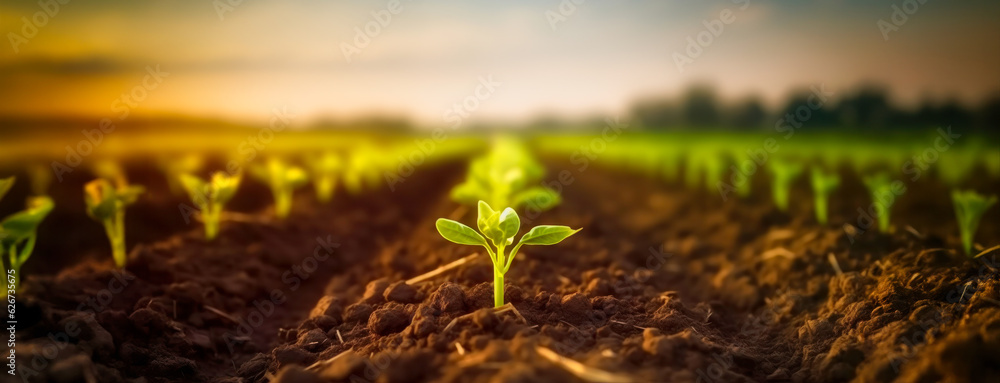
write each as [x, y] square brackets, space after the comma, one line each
[500, 227]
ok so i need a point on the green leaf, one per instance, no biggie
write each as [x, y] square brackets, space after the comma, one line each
[969, 209]
[547, 235]
[485, 212]
[5, 185]
[196, 189]
[224, 186]
[99, 196]
[467, 193]
[538, 197]
[492, 229]
[295, 177]
[510, 223]
[130, 194]
[23, 224]
[459, 233]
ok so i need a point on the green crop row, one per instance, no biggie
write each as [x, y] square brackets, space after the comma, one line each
[728, 163]
[359, 169]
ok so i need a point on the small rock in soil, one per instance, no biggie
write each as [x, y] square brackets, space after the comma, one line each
[172, 366]
[480, 296]
[597, 288]
[326, 322]
[328, 305]
[290, 354]
[97, 338]
[148, 321]
[198, 338]
[358, 312]
[607, 304]
[411, 366]
[422, 327]
[314, 340]
[780, 374]
[575, 308]
[254, 368]
[375, 290]
[388, 320]
[513, 294]
[448, 298]
[343, 367]
[296, 374]
[133, 354]
[188, 292]
[401, 292]
[116, 322]
[485, 319]
[72, 369]
[816, 329]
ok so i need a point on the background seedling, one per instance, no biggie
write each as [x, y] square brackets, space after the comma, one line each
[111, 171]
[969, 208]
[324, 169]
[210, 197]
[19, 231]
[784, 174]
[5, 185]
[823, 184]
[880, 187]
[283, 179]
[173, 168]
[503, 178]
[41, 177]
[106, 204]
[500, 228]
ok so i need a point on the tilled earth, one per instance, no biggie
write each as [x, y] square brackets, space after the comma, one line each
[663, 284]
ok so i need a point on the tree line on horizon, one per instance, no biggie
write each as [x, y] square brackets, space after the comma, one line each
[867, 107]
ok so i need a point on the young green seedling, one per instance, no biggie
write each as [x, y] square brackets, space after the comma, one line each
[106, 204]
[784, 174]
[283, 180]
[19, 231]
[210, 197]
[502, 178]
[880, 187]
[969, 208]
[363, 170]
[500, 227]
[715, 168]
[324, 169]
[823, 184]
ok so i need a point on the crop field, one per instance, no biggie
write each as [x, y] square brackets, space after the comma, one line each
[608, 257]
[441, 191]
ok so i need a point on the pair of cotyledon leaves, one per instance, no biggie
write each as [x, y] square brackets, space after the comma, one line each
[104, 199]
[500, 228]
[21, 226]
[216, 191]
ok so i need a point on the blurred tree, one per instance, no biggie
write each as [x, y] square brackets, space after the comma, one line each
[805, 108]
[656, 114]
[989, 114]
[700, 106]
[750, 113]
[868, 108]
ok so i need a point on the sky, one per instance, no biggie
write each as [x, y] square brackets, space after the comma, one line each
[431, 60]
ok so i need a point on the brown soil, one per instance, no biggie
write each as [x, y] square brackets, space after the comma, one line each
[662, 285]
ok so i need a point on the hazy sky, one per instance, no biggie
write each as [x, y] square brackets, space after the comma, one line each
[598, 58]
